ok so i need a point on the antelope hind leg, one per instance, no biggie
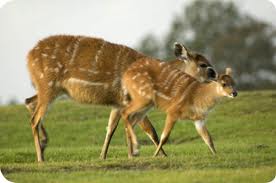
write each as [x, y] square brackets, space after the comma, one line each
[31, 104]
[170, 121]
[148, 128]
[114, 119]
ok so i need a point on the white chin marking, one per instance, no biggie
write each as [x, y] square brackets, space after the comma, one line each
[230, 96]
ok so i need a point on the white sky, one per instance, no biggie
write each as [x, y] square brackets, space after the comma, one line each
[23, 23]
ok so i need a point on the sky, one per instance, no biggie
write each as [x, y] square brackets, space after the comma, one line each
[23, 23]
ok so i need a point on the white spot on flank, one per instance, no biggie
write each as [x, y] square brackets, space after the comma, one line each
[108, 73]
[174, 76]
[66, 70]
[148, 97]
[44, 55]
[145, 86]
[163, 96]
[68, 49]
[169, 79]
[182, 78]
[82, 69]
[87, 83]
[93, 71]
[50, 83]
[35, 60]
[99, 52]
[137, 75]
[56, 70]
[75, 49]
[161, 63]
[140, 92]
[59, 65]
[116, 69]
[41, 76]
[164, 70]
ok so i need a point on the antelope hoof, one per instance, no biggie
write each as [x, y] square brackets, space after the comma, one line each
[163, 154]
[40, 160]
[102, 157]
[130, 156]
[136, 152]
[43, 146]
[160, 155]
[214, 152]
[155, 154]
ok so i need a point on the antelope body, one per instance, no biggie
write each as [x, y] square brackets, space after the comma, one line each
[89, 70]
[150, 83]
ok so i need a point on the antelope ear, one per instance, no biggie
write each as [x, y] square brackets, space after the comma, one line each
[228, 71]
[180, 51]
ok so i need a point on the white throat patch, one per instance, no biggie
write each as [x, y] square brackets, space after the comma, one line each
[199, 124]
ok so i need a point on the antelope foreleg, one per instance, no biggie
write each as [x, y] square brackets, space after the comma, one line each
[205, 135]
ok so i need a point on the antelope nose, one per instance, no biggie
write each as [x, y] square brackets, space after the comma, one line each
[235, 93]
[211, 73]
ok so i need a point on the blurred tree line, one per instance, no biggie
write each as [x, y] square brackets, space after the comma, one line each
[225, 36]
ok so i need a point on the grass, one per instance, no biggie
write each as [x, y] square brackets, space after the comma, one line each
[244, 131]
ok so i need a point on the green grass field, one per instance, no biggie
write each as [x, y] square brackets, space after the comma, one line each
[244, 132]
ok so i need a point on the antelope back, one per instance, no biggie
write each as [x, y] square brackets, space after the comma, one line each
[149, 80]
[88, 69]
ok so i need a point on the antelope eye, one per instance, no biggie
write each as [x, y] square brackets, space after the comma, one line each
[203, 65]
[223, 85]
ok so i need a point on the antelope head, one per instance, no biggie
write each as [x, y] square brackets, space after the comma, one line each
[195, 65]
[226, 84]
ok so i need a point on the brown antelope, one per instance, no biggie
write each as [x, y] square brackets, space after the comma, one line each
[148, 83]
[89, 70]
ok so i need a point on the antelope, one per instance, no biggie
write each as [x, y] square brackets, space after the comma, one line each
[89, 70]
[146, 85]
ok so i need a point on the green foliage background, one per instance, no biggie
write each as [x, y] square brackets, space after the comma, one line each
[224, 35]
